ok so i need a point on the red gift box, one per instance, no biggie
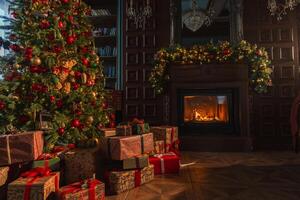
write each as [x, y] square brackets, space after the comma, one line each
[167, 163]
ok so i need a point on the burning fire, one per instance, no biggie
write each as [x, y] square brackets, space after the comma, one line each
[199, 116]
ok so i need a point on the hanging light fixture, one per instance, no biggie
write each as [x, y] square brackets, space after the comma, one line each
[140, 15]
[280, 9]
[196, 18]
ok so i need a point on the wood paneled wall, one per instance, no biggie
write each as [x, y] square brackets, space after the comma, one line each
[271, 112]
[139, 47]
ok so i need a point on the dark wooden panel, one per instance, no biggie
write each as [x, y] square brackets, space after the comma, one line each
[140, 45]
[271, 111]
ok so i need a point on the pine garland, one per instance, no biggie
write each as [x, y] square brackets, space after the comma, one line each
[256, 58]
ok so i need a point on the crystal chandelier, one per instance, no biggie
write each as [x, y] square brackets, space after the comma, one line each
[195, 18]
[280, 9]
[140, 15]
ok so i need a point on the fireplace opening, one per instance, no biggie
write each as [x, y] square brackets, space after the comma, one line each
[208, 111]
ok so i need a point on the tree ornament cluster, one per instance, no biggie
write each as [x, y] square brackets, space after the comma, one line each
[54, 69]
[256, 58]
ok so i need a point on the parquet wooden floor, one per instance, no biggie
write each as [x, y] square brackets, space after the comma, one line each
[226, 176]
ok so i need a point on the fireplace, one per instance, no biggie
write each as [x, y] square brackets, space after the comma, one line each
[210, 105]
[208, 111]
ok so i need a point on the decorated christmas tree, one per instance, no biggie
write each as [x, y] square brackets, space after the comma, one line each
[54, 75]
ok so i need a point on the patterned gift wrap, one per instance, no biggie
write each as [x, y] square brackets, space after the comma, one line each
[3, 175]
[48, 161]
[123, 147]
[131, 163]
[121, 181]
[21, 147]
[80, 164]
[159, 147]
[123, 130]
[108, 132]
[169, 134]
[34, 188]
[167, 163]
[93, 190]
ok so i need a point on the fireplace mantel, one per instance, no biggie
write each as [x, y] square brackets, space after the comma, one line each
[211, 77]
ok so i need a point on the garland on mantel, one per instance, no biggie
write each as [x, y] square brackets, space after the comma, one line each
[223, 52]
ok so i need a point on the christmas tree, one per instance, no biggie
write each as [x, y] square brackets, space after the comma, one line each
[53, 72]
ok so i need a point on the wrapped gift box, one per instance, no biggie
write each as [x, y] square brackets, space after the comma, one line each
[80, 164]
[169, 134]
[14, 172]
[91, 190]
[130, 163]
[167, 163]
[123, 130]
[123, 147]
[3, 175]
[121, 181]
[159, 147]
[21, 147]
[47, 160]
[138, 129]
[34, 186]
[108, 132]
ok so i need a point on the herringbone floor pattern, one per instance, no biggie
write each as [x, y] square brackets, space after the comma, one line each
[226, 176]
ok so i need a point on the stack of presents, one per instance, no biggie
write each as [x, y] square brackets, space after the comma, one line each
[126, 157]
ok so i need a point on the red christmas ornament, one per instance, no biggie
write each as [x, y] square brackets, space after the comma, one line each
[90, 83]
[100, 126]
[65, 1]
[61, 131]
[71, 19]
[2, 105]
[14, 14]
[78, 112]
[84, 50]
[113, 117]
[52, 99]
[85, 61]
[112, 124]
[50, 36]
[57, 49]
[75, 123]
[70, 39]
[15, 47]
[226, 52]
[45, 24]
[59, 103]
[61, 25]
[75, 86]
[104, 105]
[77, 74]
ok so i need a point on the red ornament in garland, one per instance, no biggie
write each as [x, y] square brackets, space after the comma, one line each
[113, 117]
[112, 124]
[61, 131]
[71, 19]
[2, 105]
[52, 99]
[45, 24]
[57, 49]
[65, 1]
[226, 52]
[75, 123]
[78, 112]
[70, 39]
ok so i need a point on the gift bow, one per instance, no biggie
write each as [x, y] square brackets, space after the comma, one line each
[36, 172]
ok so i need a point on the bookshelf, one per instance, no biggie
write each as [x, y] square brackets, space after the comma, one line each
[105, 22]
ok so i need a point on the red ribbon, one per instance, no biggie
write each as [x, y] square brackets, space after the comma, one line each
[137, 178]
[137, 162]
[76, 187]
[35, 174]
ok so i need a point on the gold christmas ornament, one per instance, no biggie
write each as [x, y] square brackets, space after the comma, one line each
[89, 120]
[67, 87]
[58, 86]
[36, 61]
[16, 66]
[83, 77]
